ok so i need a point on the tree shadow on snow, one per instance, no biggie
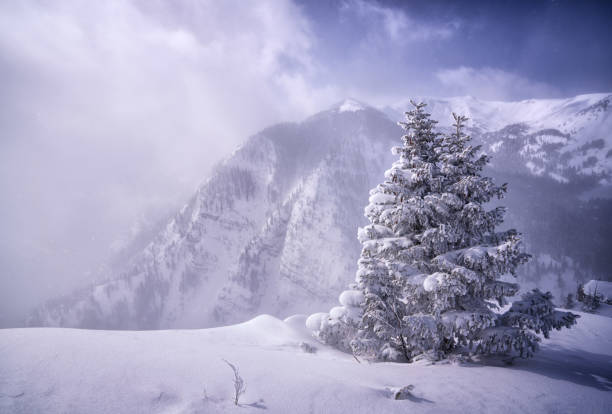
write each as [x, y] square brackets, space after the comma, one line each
[577, 366]
[404, 393]
[257, 404]
[416, 399]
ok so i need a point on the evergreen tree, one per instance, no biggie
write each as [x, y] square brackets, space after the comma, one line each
[432, 261]
[580, 293]
[569, 301]
[591, 301]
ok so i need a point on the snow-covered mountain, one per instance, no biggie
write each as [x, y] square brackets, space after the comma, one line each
[558, 138]
[273, 230]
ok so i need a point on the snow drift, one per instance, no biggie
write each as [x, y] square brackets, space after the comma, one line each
[54, 370]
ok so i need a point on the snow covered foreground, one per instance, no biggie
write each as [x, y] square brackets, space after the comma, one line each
[57, 370]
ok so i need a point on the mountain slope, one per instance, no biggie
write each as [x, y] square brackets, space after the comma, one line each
[559, 138]
[274, 228]
[241, 242]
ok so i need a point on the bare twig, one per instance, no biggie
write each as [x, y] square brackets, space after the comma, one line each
[239, 385]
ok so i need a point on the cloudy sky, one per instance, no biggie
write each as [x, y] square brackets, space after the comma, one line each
[112, 112]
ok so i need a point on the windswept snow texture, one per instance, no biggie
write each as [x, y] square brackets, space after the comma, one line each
[51, 370]
[273, 230]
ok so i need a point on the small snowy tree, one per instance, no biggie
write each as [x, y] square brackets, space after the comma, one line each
[591, 301]
[432, 263]
[338, 327]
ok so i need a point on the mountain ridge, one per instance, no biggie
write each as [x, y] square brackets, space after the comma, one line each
[273, 228]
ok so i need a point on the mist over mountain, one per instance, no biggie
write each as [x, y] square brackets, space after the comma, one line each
[273, 229]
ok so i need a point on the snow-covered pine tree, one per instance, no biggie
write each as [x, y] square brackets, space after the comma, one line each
[591, 301]
[580, 293]
[431, 268]
[569, 301]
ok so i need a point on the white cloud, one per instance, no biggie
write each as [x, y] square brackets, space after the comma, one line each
[110, 108]
[396, 24]
[490, 83]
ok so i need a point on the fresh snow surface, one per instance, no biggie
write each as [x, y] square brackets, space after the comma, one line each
[568, 114]
[58, 370]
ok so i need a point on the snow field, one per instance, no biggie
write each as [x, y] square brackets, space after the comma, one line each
[56, 370]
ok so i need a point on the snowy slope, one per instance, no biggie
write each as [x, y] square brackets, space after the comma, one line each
[273, 230]
[569, 115]
[55, 370]
[557, 138]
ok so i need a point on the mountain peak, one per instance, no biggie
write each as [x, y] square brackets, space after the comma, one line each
[256, 235]
[350, 105]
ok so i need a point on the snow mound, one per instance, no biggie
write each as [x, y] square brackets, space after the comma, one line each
[313, 323]
[57, 370]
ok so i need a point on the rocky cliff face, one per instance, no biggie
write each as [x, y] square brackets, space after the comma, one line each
[273, 230]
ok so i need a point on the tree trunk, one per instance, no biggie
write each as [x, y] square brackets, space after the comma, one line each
[405, 348]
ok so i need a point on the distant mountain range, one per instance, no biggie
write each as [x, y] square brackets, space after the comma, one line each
[564, 139]
[273, 230]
